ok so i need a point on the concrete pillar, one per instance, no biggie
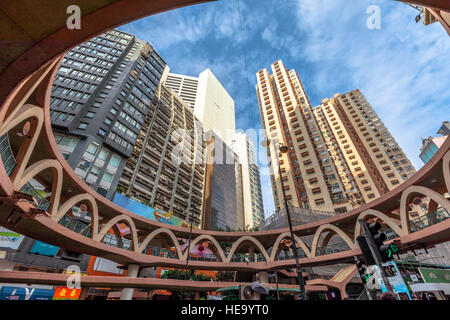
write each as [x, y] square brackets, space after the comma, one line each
[132, 272]
[263, 277]
[251, 252]
[83, 293]
[343, 293]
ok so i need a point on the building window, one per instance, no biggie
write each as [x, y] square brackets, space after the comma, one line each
[90, 115]
[115, 161]
[107, 177]
[92, 149]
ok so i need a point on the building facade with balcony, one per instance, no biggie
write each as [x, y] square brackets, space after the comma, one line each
[340, 155]
[166, 169]
[100, 98]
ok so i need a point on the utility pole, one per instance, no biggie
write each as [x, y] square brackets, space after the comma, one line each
[375, 254]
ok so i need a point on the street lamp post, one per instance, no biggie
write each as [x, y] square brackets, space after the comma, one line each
[189, 244]
[303, 294]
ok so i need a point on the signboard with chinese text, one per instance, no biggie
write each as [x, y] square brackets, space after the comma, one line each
[64, 293]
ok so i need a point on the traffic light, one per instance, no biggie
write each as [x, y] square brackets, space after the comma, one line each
[370, 261]
[362, 270]
[386, 250]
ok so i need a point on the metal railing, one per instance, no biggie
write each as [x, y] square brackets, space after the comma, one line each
[429, 219]
[39, 200]
[421, 222]
[9, 162]
[247, 257]
[204, 257]
[76, 225]
[112, 240]
[160, 252]
[332, 248]
[287, 255]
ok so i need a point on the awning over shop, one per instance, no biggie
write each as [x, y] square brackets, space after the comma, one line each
[422, 287]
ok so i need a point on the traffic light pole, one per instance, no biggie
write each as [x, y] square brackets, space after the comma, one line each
[369, 295]
[375, 254]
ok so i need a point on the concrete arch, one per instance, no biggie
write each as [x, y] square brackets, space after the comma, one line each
[327, 239]
[38, 167]
[446, 170]
[23, 91]
[258, 245]
[336, 230]
[218, 250]
[298, 241]
[156, 232]
[406, 198]
[73, 201]
[375, 213]
[25, 112]
[111, 223]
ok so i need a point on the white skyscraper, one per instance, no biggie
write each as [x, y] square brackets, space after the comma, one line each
[184, 86]
[211, 103]
[252, 194]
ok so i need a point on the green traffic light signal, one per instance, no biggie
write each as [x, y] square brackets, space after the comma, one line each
[393, 248]
[388, 250]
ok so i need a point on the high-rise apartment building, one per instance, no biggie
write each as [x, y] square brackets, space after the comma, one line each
[340, 155]
[100, 98]
[357, 137]
[431, 145]
[212, 105]
[166, 168]
[223, 197]
[185, 86]
[252, 194]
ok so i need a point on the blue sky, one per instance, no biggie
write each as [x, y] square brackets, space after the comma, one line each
[403, 68]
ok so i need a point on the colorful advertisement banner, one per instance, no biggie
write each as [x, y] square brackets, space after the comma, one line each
[64, 293]
[10, 239]
[25, 293]
[394, 277]
[148, 212]
[44, 249]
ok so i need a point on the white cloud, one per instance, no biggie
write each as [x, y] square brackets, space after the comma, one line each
[403, 69]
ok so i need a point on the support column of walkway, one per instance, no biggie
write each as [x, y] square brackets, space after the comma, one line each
[132, 272]
[84, 293]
